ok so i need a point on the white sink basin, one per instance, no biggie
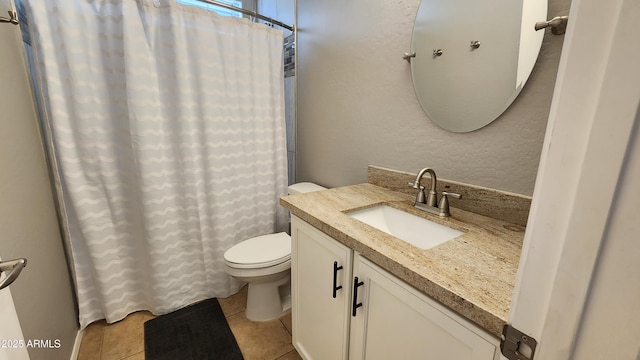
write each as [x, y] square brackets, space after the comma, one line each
[415, 230]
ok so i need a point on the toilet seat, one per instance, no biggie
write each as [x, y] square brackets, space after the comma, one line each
[260, 252]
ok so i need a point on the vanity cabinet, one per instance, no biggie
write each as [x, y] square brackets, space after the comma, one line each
[320, 276]
[392, 319]
[398, 322]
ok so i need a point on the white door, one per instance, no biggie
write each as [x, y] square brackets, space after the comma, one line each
[12, 345]
[590, 155]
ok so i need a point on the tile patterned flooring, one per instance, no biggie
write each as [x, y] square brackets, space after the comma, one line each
[124, 340]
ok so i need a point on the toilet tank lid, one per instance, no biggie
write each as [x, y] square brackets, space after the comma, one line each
[265, 250]
[304, 187]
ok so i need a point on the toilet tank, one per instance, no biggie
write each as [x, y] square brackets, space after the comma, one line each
[304, 187]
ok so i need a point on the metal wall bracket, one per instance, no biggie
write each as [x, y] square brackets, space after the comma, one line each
[516, 345]
[409, 56]
[558, 25]
[14, 267]
[13, 18]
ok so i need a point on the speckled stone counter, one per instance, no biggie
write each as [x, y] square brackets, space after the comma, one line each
[473, 274]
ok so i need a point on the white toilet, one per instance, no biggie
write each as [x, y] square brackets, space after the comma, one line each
[264, 262]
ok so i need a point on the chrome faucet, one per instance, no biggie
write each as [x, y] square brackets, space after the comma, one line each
[432, 198]
[429, 203]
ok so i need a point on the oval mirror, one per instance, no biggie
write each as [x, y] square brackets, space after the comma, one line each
[472, 58]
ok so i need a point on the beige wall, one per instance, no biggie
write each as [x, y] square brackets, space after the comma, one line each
[356, 103]
[28, 225]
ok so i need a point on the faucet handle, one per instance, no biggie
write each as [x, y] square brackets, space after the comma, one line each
[444, 202]
[420, 197]
[453, 195]
[416, 185]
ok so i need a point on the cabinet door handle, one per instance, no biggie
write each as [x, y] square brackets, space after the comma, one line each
[336, 287]
[356, 304]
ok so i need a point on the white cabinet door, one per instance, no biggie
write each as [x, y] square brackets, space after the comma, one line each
[320, 314]
[397, 322]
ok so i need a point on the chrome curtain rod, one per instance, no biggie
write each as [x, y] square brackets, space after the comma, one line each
[13, 16]
[250, 13]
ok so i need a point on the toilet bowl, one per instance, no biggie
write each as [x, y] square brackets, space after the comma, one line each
[264, 262]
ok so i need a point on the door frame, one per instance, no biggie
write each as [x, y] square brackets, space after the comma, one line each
[592, 115]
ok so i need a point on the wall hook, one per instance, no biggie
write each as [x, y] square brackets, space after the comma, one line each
[474, 44]
[558, 25]
[437, 52]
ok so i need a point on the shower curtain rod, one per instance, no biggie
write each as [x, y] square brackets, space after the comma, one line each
[13, 17]
[250, 13]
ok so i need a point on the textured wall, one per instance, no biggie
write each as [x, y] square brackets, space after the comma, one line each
[43, 294]
[356, 103]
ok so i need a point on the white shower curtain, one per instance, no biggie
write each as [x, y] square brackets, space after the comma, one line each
[166, 127]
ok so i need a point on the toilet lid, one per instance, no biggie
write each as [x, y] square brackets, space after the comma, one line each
[260, 251]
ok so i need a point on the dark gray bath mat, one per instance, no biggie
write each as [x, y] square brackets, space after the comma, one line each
[197, 332]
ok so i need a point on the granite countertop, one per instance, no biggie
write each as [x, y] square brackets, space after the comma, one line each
[473, 274]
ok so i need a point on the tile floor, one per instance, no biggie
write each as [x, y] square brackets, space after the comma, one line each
[124, 340]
